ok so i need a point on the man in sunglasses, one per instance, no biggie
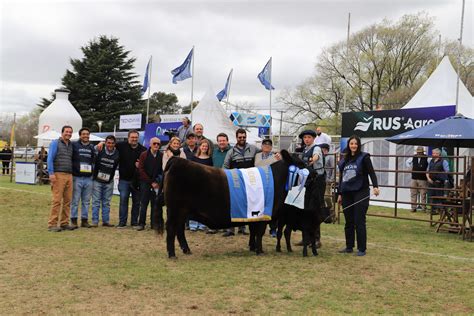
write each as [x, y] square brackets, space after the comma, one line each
[150, 173]
[241, 156]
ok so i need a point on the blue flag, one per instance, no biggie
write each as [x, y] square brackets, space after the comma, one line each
[184, 71]
[265, 76]
[225, 92]
[145, 80]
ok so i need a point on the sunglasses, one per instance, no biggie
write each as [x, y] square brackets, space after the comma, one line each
[242, 137]
[156, 144]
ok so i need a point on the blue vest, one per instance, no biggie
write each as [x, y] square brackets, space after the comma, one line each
[307, 155]
[352, 174]
[82, 159]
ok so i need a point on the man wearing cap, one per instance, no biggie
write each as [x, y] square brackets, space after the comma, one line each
[184, 129]
[267, 156]
[190, 147]
[418, 164]
[316, 182]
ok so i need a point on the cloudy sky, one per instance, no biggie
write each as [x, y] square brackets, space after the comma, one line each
[39, 37]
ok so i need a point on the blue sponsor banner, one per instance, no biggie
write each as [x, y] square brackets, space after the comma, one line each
[388, 123]
[250, 120]
[263, 131]
[160, 130]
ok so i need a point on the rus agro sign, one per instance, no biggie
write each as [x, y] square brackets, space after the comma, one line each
[132, 121]
[391, 122]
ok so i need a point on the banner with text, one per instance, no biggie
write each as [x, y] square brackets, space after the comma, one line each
[130, 121]
[388, 123]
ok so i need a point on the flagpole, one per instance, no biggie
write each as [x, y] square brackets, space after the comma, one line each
[149, 89]
[192, 86]
[228, 90]
[347, 55]
[459, 56]
[271, 118]
[12, 145]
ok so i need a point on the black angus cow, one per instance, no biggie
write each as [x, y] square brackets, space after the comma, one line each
[201, 193]
[292, 218]
[307, 220]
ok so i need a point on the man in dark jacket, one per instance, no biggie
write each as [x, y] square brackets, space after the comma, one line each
[129, 153]
[150, 173]
[82, 162]
[6, 157]
[106, 162]
[419, 165]
[190, 148]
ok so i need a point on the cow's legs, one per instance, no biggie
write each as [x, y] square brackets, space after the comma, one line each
[305, 242]
[279, 235]
[288, 238]
[314, 249]
[171, 229]
[259, 232]
[183, 243]
[252, 245]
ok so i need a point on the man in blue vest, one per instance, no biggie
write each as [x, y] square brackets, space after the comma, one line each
[82, 162]
[60, 176]
[106, 162]
[316, 182]
[436, 176]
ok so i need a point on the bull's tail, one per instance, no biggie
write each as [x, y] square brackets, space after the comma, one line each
[157, 220]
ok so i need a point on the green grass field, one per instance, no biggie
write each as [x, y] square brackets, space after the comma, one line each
[408, 269]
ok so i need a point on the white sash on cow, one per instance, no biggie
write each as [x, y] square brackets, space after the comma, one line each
[254, 190]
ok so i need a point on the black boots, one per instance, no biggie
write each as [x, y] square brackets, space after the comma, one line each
[85, 224]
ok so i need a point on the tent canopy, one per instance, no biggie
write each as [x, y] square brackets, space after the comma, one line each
[440, 90]
[211, 114]
[454, 131]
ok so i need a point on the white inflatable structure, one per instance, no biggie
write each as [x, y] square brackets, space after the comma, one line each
[59, 113]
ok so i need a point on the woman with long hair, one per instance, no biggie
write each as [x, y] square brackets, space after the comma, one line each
[354, 192]
[204, 157]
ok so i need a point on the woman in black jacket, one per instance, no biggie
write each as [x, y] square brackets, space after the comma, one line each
[354, 192]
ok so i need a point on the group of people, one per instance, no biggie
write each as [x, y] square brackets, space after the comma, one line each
[80, 171]
[429, 178]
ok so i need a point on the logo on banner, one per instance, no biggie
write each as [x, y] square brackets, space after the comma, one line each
[391, 122]
[133, 121]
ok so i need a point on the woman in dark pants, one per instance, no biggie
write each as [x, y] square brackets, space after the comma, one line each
[355, 167]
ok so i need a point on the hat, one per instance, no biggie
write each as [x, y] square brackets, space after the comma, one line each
[267, 141]
[324, 145]
[307, 132]
[420, 149]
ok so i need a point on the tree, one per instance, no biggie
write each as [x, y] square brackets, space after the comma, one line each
[187, 109]
[102, 83]
[384, 62]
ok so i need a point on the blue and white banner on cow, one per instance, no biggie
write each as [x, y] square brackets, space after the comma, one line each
[251, 194]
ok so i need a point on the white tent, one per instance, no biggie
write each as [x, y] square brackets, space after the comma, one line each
[440, 90]
[211, 114]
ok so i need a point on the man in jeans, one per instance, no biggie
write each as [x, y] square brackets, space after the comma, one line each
[106, 162]
[60, 176]
[129, 153]
[82, 160]
[150, 170]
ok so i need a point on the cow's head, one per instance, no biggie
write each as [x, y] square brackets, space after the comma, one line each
[292, 159]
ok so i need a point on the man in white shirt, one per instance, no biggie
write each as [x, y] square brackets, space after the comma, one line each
[322, 138]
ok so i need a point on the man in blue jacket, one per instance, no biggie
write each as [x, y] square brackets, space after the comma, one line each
[60, 176]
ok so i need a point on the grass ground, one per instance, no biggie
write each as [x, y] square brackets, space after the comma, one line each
[408, 269]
